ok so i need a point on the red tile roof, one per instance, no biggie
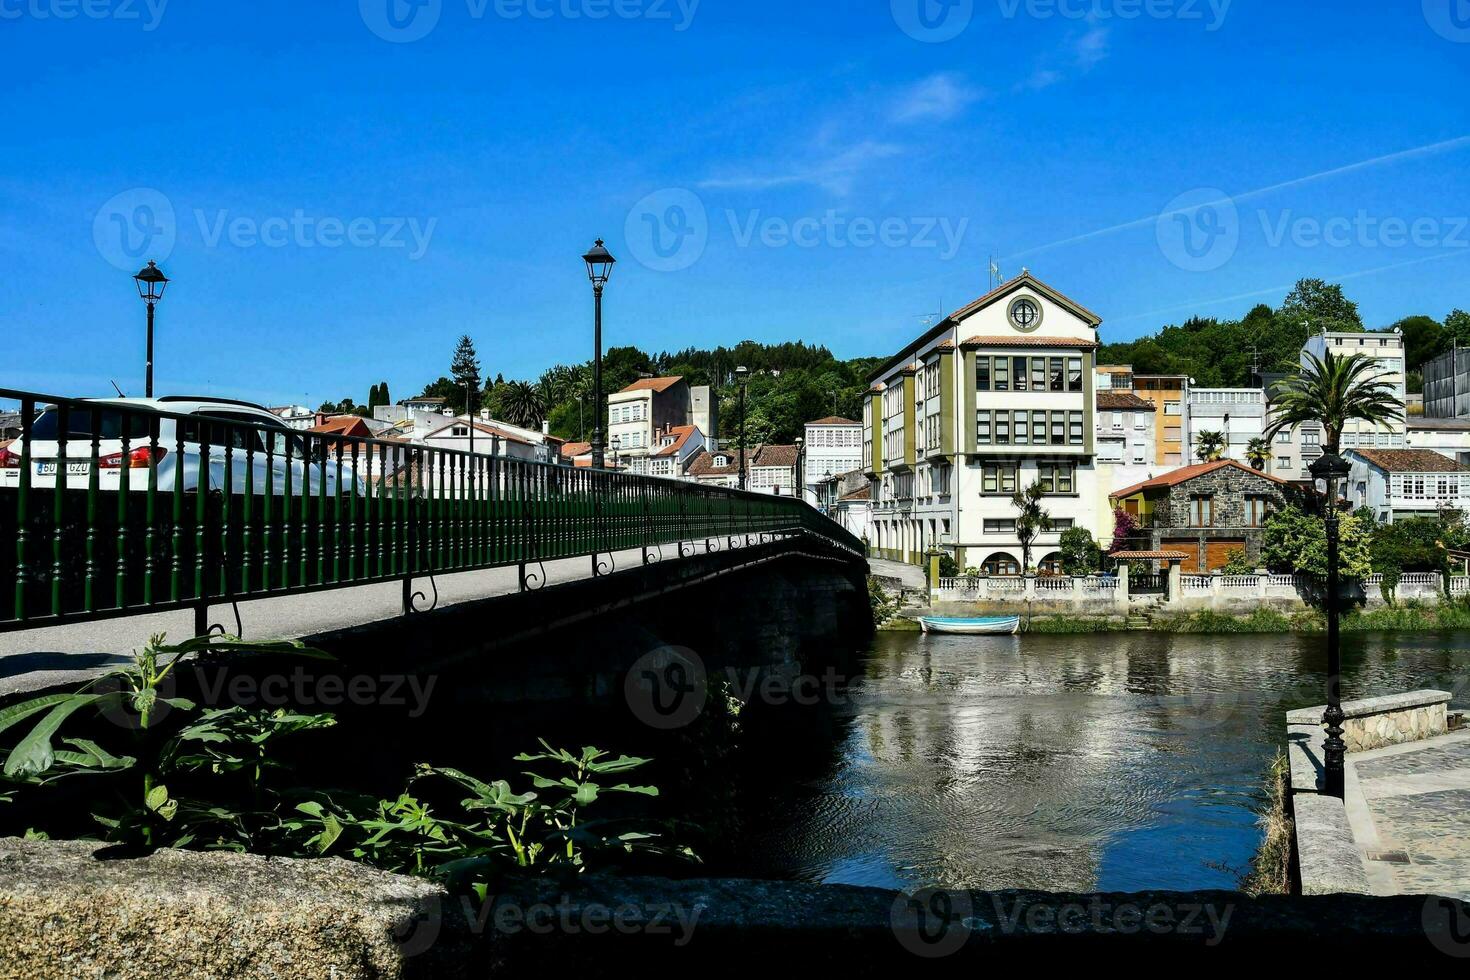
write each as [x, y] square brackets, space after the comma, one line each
[488, 430]
[344, 425]
[652, 384]
[681, 434]
[1123, 401]
[574, 449]
[1175, 477]
[775, 456]
[704, 463]
[834, 420]
[1018, 340]
[1411, 461]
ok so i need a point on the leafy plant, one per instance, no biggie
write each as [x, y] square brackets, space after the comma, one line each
[1031, 519]
[1080, 554]
[1209, 446]
[1332, 391]
[1295, 542]
[1258, 452]
[1236, 563]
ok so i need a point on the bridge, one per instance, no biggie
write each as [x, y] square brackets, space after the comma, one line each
[126, 522]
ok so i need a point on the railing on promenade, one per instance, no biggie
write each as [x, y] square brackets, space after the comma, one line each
[102, 514]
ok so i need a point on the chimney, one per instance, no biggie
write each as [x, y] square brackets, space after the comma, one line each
[546, 427]
[484, 415]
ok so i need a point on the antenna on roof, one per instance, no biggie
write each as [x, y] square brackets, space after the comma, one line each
[995, 278]
[117, 389]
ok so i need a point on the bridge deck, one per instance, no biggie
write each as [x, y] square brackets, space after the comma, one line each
[47, 657]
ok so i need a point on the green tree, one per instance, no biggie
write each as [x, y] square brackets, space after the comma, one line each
[523, 405]
[1293, 541]
[1258, 452]
[1080, 553]
[1321, 306]
[1424, 339]
[1210, 446]
[1031, 519]
[464, 368]
[1333, 391]
[1457, 329]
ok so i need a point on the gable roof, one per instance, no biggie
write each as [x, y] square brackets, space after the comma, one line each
[704, 463]
[574, 449]
[344, 425]
[775, 456]
[1186, 473]
[1118, 401]
[1410, 461]
[1024, 280]
[681, 434]
[651, 384]
[488, 430]
[834, 420]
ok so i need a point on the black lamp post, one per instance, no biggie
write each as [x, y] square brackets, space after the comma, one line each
[151, 284]
[742, 375]
[800, 469]
[617, 444]
[599, 266]
[1332, 468]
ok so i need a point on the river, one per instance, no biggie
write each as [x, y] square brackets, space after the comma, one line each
[1120, 761]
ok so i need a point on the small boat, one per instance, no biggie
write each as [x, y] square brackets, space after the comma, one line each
[982, 625]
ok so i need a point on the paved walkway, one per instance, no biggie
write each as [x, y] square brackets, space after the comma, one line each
[912, 576]
[71, 654]
[1409, 809]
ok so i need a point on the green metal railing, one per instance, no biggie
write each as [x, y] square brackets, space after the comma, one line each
[102, 504]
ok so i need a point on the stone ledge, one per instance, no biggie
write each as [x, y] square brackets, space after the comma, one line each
[1371, 706]
[66, 911]
[1327, 852]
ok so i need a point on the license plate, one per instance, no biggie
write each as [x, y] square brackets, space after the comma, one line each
[72, 469]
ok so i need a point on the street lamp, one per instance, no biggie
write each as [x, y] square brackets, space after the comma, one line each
[617, 444]
[800, 471]
[827, 491]
[151, 284]
[742, 377]
[599, 266]
[1331, 468]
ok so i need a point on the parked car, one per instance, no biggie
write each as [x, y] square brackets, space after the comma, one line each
[207, 422]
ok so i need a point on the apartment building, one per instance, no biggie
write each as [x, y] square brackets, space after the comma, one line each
[1169, 394]
[1387, 352]
[995, 397]
[1238, 414]
[1447, 385]
[833, 446]
[639, 412]
[1399, 483]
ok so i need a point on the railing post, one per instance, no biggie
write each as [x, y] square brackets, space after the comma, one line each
[1121, 594]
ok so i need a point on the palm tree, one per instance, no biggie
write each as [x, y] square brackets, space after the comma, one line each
[522, 404]
[1333, 391]
[1258, 452]
[1210, 446]
[1031, 519]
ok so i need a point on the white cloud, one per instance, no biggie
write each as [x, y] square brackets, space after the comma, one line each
[834, 172]
[939, 97]
[1086, 51]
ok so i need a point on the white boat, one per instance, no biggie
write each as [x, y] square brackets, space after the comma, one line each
[987, 624]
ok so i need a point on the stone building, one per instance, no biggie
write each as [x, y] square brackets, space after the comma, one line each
[1205, 511]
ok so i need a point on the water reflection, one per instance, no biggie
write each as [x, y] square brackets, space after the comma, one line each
[1119, 761]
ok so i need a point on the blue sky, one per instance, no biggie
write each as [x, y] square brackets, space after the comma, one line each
[338, 198]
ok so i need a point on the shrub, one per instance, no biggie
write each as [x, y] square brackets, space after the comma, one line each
[1080, 553]
[1297, 542]
[1236, 563]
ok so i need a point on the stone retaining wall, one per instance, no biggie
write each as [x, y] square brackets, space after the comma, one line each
[1373, 723]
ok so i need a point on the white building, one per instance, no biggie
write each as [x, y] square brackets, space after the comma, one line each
[673, 450]
[1387, 352]
[1448, 437]
[1400, 483]
[491, 437]
[771, 469]
[995, 397]
[1127, 447]
[833, 446]
[1238, 414]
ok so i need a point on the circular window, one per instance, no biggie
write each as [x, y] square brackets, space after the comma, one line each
[1025, 314]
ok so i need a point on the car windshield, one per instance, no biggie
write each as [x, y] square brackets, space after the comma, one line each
[80, 422]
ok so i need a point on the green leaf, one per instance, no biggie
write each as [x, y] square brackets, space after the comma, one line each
[17, 713]
[156, 797]
[33, 754]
